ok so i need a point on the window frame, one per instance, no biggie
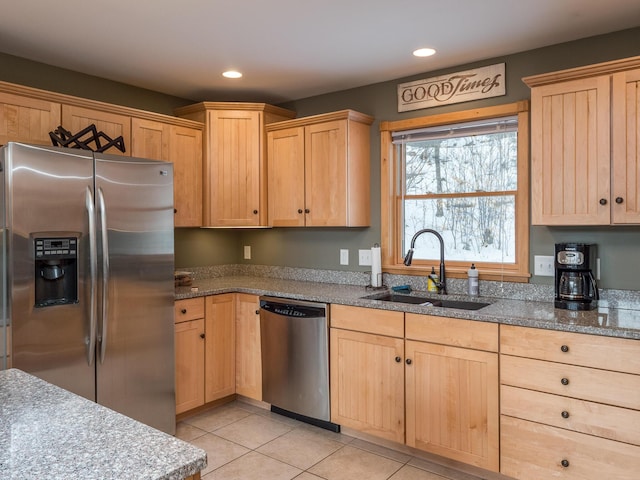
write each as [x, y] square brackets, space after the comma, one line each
[391, 198]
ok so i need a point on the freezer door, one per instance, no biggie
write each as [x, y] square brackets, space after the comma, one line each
[49, 195]
[135, 352]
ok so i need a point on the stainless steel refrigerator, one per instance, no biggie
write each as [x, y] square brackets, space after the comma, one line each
[87, 270]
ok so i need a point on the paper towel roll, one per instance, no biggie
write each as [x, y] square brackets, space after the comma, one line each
[376, 267]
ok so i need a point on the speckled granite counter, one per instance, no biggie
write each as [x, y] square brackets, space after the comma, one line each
[614, 322]
[49, 433]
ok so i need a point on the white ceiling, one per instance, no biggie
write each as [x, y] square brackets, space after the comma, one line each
[289, 49]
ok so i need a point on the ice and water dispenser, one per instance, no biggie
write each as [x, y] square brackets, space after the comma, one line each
[56, 272]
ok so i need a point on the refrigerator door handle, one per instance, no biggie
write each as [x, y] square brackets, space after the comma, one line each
[102, 210]
[93, 268]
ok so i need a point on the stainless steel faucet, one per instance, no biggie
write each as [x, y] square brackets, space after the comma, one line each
[442, 284]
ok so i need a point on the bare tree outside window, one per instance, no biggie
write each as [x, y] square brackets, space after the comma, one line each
[463, 186]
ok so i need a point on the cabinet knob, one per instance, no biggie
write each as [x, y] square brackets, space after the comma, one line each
[306, 210]
[299, 210]
[175, 210]
[565, 414]
[603, 201]
[255, 212]
[564, 463]
[183, 311]
[564, 381]
[564, 348]
[398, 359]
[257, 312]
[408, 361]
[619, 200]
[202, 335]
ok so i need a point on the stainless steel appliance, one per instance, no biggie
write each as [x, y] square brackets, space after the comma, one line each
[87, 271]
[295, 359]
[575, 284]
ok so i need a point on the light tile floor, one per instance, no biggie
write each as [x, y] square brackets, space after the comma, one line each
[245, 442]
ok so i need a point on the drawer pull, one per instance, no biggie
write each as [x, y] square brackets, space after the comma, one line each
[564, 348]
[564, 381]
[564, 463]
[183, 311]
[565, 414]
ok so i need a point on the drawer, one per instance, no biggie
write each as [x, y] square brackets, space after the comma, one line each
[612, 388]
[188, 309]
[368, 320]
[573, 348]
[531, 451]
[452, 331]
[614, 423]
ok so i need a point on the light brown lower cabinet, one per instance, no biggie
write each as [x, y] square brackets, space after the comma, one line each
[220, 352]
[570, 405]
[386, 366]
[248, 351]
[189, 353]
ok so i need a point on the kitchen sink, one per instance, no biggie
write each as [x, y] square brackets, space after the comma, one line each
[427, 301]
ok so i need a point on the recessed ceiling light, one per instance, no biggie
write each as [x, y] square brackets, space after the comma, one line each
[231, 74]
[424, 52]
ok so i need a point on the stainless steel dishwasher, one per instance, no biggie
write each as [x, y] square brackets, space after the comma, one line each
[295, 359]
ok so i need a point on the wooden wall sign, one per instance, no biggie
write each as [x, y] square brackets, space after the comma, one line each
[484, 82]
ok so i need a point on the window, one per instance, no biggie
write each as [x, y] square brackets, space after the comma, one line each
[464, 175]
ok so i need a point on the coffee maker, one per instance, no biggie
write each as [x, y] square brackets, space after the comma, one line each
[576, 287]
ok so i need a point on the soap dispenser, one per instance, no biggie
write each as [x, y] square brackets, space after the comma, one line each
[473, 287]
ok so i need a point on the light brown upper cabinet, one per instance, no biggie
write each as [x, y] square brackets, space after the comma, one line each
[319, 171]
[181, 145]
[27, 120]
[235, 176]
[585, 126]
[75, 118]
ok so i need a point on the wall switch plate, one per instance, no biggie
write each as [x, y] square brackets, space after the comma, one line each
[344, 256]
[364, 257]
[543, 265]
[247, 252]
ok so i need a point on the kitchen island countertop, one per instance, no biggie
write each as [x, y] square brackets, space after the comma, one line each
[49, 433]
[613, 322]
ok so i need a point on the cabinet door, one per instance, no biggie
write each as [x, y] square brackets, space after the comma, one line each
[285, 160]
[326, 174]
[189, 345]
[27, 120]
[185, 152]
[236, 171]
[570, 157]
[149, 139]
[626, 147]
[248, 352]
[452, 402]
[219, 369]
[75, 119]
[367, 383]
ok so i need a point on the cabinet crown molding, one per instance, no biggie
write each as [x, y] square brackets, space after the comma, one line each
[263, 107]
[324, 117]
[587, 71]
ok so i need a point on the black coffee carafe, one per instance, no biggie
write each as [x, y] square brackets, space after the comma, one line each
[575, 285]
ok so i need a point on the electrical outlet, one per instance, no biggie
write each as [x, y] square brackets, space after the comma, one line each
[344, 256]
[543, 265]
[364, 257]
[247, 252]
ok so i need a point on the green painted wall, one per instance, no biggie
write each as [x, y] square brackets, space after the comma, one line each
[319, 248]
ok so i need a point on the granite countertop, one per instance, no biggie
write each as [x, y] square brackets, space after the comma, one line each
[49, 433]
[607, 321]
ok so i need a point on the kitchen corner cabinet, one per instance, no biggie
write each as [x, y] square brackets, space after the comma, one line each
[367, 370]
[235, 176]
[182, 146]
[319, 170]
[220, 354]
[585, 139]
[248, 350]
[189, 353]
[27, 120]
[569, 408]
